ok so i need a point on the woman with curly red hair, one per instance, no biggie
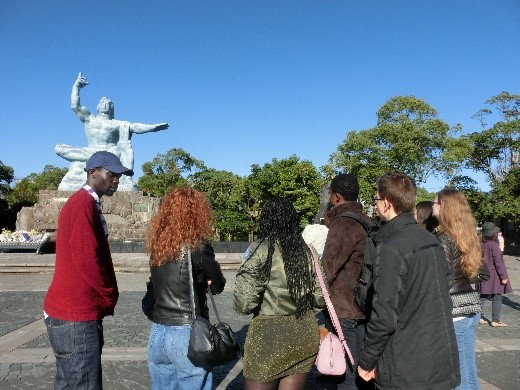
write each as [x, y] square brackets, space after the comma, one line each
[184, 222]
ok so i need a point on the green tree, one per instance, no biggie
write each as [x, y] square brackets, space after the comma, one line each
[297, 180]
[166, 170]
[6, 177]
[25, 192]
[225, 191]
[408, 137]
[496, 153]
[496, 149]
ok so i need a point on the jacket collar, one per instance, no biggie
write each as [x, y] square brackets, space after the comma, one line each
[395, 224]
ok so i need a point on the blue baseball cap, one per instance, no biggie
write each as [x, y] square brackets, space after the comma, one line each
[109, 161]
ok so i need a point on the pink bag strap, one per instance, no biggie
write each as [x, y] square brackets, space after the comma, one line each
[330, 308]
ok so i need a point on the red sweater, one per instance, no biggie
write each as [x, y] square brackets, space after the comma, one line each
[84, 285]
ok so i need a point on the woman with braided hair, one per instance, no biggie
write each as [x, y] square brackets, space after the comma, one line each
[277, 284]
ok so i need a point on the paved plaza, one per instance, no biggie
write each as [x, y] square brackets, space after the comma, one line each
[27, 361]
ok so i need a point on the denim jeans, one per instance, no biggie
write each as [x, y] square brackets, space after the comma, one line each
[168, 363]
[354, 332]
[77, 347]
[465, 332]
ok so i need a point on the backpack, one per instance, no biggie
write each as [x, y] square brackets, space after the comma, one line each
[363, 288]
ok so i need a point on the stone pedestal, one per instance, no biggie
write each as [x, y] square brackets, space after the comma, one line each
[127, 213]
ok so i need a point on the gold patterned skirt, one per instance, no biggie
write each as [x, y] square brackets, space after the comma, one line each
[278, 346]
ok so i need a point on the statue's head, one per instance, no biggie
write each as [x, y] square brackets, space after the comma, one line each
[105, 106]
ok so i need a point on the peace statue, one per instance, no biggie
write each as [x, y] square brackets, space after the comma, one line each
[103, 133]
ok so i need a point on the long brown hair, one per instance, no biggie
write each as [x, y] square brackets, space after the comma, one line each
[185, 217]
[456, 220]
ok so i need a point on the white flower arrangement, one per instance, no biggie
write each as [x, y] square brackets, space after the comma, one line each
[22, 237]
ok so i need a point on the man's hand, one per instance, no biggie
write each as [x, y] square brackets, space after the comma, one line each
[81, 81]
[504, 281]
[366, 375]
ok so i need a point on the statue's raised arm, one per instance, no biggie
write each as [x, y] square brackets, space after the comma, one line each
[82, 112]
[140, 128]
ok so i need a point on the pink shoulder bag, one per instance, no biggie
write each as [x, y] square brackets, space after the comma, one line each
[331, 354]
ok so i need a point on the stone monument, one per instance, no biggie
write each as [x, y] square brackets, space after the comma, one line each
[129, 211]
[103, 133]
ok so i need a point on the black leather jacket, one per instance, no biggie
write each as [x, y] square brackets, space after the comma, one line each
[458, 282]
[172, 287]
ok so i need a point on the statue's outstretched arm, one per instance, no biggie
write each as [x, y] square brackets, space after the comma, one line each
[144, 128]
[82, 112]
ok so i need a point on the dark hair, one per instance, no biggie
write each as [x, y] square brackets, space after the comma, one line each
[279, 223]
[425, 218]
[399, 189]
[347, 185]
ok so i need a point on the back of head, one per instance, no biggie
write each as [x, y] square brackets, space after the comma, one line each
[399, 189]
[279, 219]
[347, 185]
[423, 210]
[456, 219]
[184, 217]
[489, 231]
[280, 223]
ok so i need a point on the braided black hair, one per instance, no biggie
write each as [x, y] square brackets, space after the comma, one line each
[279, 223]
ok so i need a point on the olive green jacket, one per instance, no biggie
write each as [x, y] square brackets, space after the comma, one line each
[258, 295]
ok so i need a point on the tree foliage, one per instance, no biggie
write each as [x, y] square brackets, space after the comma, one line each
[166, 170]
[496, 149]
[26, 190]
[408, 137]
[225, 191]
[6, 177]
[496, 153]
[297, 180]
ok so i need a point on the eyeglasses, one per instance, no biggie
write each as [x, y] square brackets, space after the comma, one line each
[374, 200]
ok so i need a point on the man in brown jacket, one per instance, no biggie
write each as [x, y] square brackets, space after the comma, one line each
[343, 261]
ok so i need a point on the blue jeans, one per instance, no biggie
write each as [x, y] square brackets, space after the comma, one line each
[77, 347]
[465, 332]
[168, 363]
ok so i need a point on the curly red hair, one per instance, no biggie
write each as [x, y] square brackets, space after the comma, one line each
[185, 217]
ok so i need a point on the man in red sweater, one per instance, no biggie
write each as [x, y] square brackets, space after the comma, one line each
[84, 288]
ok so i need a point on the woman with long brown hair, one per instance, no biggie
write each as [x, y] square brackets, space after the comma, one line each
[184, 222]
[457, 232]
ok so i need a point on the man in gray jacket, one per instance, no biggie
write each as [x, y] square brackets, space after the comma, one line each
[410, 340]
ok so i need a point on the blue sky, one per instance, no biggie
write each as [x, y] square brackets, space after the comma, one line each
[242, 82]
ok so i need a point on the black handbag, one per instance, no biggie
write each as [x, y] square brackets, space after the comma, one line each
[210, 345]
[148, 300]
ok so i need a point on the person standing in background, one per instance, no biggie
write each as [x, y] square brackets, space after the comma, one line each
[423, 215]
[498, 283]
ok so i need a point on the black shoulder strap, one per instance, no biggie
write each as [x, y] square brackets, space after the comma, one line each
[348, 214]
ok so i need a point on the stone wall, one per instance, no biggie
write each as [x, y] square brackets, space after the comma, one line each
[127, 213]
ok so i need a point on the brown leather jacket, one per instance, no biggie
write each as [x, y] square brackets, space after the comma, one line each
[343, 258]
